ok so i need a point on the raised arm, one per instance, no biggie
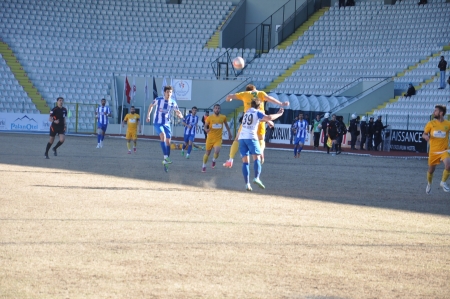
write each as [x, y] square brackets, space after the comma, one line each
[275, 101]
[273, 116]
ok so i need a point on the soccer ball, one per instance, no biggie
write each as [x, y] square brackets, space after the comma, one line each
[319, 126]
[238, 63]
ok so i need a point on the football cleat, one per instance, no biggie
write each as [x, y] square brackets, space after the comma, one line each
[445, 187]
[259, 183]
[428, 189]
[228, 164]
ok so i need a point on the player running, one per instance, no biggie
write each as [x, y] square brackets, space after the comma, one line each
[436, 132]
[248, 141]
[58, 118]
[101, 114]
[190, 123]
[300, 128]
[133, 124]
[214, 128]
[247, 96]
[161, 121]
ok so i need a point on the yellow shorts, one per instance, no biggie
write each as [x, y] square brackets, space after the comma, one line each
[435, 159]
[261, 131]
[131, 135]
[212, 143]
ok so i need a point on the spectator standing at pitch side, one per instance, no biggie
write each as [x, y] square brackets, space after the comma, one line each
[442, 67]
[315, 127]
[353, 129]
[363, 132]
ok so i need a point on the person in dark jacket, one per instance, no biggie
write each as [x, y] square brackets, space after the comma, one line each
[325, 130]
[442, 67]
[333, 134]
[363, 132]
[411, 91]
[353, 129]
[378, 129]
[342, 130]
[370, 131]
[204, 121]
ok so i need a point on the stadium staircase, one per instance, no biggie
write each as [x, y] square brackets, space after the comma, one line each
[214, 42]
[288, 72]
[402, 74]
[22, 78]
[304, 27]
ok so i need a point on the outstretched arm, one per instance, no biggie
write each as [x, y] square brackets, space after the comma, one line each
[275, 101]
[273, 116]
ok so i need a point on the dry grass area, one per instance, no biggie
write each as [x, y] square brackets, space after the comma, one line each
[98, 223]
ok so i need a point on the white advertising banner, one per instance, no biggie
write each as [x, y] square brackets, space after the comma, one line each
[24, 122]
[182, 89]
[282, 134]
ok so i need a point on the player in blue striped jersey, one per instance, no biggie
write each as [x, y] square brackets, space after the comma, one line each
[300, 128]
[101, 114]
[164, 106]
[190, 124]
[249, 143]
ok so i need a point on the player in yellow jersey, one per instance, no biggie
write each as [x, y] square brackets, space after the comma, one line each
[436, 132]
[214, 128]
[133, 125]
[246, 97]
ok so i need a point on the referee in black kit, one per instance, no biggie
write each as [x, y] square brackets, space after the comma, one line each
[58, 118]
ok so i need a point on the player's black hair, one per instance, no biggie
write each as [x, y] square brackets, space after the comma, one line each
[255, 103]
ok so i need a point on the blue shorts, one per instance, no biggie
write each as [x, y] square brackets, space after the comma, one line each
[189, 137]
[249, 146]
[102, 126]
[299, 140]
[163, 129]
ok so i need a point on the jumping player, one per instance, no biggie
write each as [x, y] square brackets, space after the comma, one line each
[214, 128]
[248, 141]
[436, 132]
[58, 118]
[133, 125]
[101, 114]
[246, 97]
[161, 121]
[190, 123]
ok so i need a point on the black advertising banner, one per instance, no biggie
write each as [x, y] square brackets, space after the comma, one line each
[407, 141]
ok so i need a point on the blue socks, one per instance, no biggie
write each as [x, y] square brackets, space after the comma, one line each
[189, 149]
[163, 147]
[99, 137]
[245, 172]
[295, 150]
[257, 168]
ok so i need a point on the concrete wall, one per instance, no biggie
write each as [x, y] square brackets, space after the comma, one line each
[369, 102]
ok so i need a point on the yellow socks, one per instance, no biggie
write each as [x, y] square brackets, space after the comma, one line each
[128, 145]
[445, 175]
[234, 149]
[205, 159]
[430, 177]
